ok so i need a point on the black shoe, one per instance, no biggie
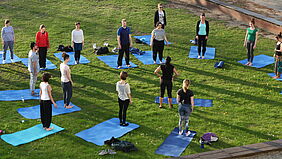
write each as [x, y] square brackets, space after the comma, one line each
[120, 124]
[125, 124]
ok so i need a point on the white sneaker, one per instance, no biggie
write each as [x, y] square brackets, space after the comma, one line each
[199, 57]
[12, 60]
[188, 133]
[75, 62]
[4, 61]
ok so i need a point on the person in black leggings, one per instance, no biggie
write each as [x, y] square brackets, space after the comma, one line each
[202, 33]
[166, 80]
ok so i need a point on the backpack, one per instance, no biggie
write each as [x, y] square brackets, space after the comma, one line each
[118, 145]
[68, 49]
[136, 51]
[101, 50]
[219, 64]
[208, 138]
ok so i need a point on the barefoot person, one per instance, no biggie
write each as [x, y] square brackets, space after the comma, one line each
[42, 41]
[33, 66]
[8, 40]
[66, 80]
[166, 80]
[124, 97]
[202, 33]
[185, 99]
[278, 56]
[46, 101]
[250, 42]
[160, 16]
[77, 39]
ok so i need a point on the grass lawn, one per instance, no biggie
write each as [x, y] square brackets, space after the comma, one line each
[247, 105]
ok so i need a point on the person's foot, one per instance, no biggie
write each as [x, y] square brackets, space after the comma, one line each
[125, 124]
[128, 65]
[247, 63]
[12, 60]
[155, 62]
[44, 128]
[170, 106]
[180, 132]
[250, 64]
[187, 133]
[69, 106]
[49, 129]
[4, 61]
[119, 67]
[199, 57]
[276, 77]
[75, 62]
[203, 57]
[160, 106]
[161, 62]
[120, 124]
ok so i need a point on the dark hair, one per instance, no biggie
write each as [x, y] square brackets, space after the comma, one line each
[158, 23]
[77, 23]
[279, 36]
[123, 75]
[7, 21]
[46, 76]
[167, 60]
[253, 21]
[42, 26]
[65, 56]
[203, 14]
[32, 44]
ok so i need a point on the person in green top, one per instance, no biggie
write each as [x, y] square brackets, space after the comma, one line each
[250, 42]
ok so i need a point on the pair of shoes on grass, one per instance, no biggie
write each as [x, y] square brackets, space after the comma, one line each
[107, 151]
[187, 133]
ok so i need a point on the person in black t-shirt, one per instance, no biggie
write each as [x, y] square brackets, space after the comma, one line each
[166, 80]
[185, 99]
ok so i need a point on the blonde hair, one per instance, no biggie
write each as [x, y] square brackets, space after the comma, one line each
[186, 84]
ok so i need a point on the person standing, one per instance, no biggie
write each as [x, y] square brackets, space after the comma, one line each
[185, 100]
[160, 16]
[157, 42]
[124, 42]
[250, 42]
[8, 40]
[278, 57]
[33, 66]
[124, 97]
[202, 33]
[77, 39]
[166, 80]
[42, 41]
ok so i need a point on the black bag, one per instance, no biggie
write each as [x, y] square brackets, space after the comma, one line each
[68, 49]
[118, 145]
[61, 48]
[101, 50]
[219, 64]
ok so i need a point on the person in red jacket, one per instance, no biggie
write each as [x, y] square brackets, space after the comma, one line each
[42, 41]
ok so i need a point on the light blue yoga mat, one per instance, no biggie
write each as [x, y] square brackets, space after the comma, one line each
[30, 134]
[175, 144]
[82, 60]
[273, 75]
[111, 60]
[197, 102]
[105, 131]
[14, 95]
[260, 61]
[147, 39]
[49, 64]
[34, 112]
[8, 57]
[210, 52]
[147, 58]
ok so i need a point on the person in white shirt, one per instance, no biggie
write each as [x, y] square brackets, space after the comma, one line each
[160, 16]
[77, 39]
[33, 66]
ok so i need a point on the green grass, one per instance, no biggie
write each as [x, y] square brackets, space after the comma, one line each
[247, 105]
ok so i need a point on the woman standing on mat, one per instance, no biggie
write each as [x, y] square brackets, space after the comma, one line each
[77, 40]
[250, 42]
[185, 100]
[160, 16]
[278, 56]
[8, 40]
[124, 97]
[157, 42]
[66, 80]
[166, 80]
[42, 41]
[202, 33]
[46, 101]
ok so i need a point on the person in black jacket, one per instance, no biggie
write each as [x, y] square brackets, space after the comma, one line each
[160, 16]
[202, 33]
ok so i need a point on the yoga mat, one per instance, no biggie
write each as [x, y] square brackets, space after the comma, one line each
[30, 134]
[105, 131]
[82, 60]
[259, 61]
[14, 95]
[34, 112]
[146, 39]
[197, 102]
[111, 60]
[8, 57]
[175, 144]
[210, 52]
[147, 58]
[273, 75]
[49, 64]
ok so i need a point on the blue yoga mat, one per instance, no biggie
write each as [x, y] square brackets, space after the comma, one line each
[8, 57]
[198, 102]
[260, 61]
[111, 60]
[49, 64]
[273, 75]
[147, 58]
[210, 52]
[175, 144]
[14, 95]
[105, 131]
[82, 60]
[34, 112]
[30, 134]
[147, 39]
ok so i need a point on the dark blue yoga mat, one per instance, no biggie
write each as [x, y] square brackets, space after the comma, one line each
[105, 131]
[111, 60]
[14, 95]
[273, 75]
[147, 39]
[29, 135]
[198, 102]
[260, 61]
[8, 57]
[83, 60]
[210, 52]
[49, 64]
[147, 58]
[175, 144]
[34, 112]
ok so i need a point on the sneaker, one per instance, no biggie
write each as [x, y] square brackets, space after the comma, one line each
[4, 61]
[199, 57]
[103, 152]
[188, 133]
[155, 62]
[119, 67]
[128, 65]
[203, 57]
[180, 132]
[75, 62]
[12, 60]
[125, 124]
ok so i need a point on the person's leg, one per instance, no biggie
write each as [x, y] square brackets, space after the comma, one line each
[169, 90]
[125, 106]
[64, 87]
[199, 45]
[5, 47]
[162, 86]
[204, 46]
[120, 103]
[180, 123]
[33, 79]
[69, 93]
[154, 51]
[48, 113]
[42, 113]
[161, 50]
[44, 57]
[11, 47]
[249, 51]
[276, 66]
[120, 56]
[186, 121]
[127, 58]
[78, 56]
[252, 52]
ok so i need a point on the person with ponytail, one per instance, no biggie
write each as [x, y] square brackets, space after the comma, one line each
[166, 80]
[185, 99]
[250, 42]
[278, 56]
[66, 80]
